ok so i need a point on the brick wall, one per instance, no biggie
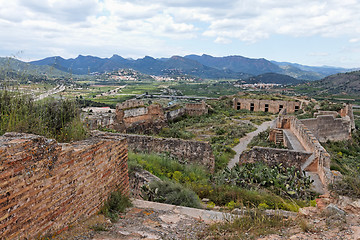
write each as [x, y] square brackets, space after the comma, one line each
[45, 186]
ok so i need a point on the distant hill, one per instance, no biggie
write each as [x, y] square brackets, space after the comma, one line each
[204, 66]
[147, 65]
[19, 67]
[273, 78]
[341, 83]
[323, 71]
[237, 64]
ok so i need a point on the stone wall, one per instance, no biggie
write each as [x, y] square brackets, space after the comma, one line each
[196, 109]
[271, 106]
[45, 186]
[139, 178]
[326, 127]
[174, 114]
[274, 156]
[186, 151]
[321, 163]
[132, 116]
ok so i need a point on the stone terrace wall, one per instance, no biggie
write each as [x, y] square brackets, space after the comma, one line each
[326, 127]
[195, 152]
[274, 156]
[45, 186]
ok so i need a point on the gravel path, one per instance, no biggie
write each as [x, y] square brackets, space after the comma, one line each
[245, 141]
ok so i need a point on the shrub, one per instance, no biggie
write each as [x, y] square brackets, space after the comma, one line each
[117, 202]
[171, 193]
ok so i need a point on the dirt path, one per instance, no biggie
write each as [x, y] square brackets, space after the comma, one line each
[245, 141]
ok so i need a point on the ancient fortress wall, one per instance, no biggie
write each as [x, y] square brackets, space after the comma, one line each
[275, 156]
[271, 106]
[196, 109]
[186, 151]
[326, 127]
[321, 163]
[45, 186]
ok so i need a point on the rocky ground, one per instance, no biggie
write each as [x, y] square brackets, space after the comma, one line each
[331, 219]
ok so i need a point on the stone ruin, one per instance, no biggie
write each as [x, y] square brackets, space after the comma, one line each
[272, 106]
[132, 116]
[302, 138]
[46, 186]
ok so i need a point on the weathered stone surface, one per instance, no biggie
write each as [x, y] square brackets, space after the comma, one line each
[326, 127]
[137, 179]
[196, 109]
[274, 156]
[132, 116]
[186, 151]
[266, 105]
[45, 185]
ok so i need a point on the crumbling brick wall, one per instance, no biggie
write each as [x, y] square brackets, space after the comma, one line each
[45, 186]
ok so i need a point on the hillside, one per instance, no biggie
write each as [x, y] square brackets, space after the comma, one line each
[204, 66]
[273, 78]
[19, 68]
[148, 65]
[341, 83]
[237, 64]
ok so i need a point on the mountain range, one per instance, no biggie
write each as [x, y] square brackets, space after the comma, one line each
[204, 66]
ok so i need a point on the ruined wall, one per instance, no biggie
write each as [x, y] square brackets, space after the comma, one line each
[139, 178]
[196, 109]
[174, 114]
[132, 116]
[96, 120]
[326, 127]
[347, 112]
[45, 186]
[321, 163]
[274, 156]
[271, 106]
[186, 151]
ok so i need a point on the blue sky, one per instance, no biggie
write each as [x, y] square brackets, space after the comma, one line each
[310, 32]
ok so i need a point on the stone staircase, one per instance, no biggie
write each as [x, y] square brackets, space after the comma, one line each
[296, 145]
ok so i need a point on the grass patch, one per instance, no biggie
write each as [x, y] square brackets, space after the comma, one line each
[248, 226]
[117, 202]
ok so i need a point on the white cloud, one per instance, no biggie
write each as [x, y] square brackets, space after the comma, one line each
[71, 27]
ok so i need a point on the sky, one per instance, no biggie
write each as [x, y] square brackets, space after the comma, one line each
[309, 32]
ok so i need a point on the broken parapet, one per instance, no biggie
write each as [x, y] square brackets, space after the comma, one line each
[45, 185]
[275, 156]
[186, 151]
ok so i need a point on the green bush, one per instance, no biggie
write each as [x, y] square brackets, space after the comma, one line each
[222, 195]
[59, 119]
[117, 202]
[164, 167]
[171, 193]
